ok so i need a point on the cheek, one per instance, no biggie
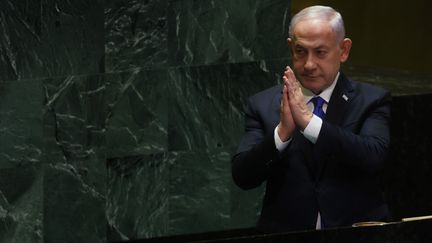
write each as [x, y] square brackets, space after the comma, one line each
[298, 63]
[330, 65]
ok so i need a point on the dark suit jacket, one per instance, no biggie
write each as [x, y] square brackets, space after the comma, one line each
[337, 176]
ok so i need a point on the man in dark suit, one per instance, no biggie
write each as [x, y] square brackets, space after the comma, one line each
[319, 140]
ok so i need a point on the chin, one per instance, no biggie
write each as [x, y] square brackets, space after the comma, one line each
[309, 83]
[312, 86]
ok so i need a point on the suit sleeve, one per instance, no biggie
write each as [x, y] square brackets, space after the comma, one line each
[256, 152]
[366, 149]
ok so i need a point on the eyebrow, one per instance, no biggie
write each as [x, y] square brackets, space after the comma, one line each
[314, 48]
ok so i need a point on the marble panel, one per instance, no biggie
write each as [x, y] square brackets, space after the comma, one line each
[207, 112]
[73, 210]
[21, 204]
[74, 125]
[20, 123]
[74, 186]
[173, 193]
[137, 112]
[21, 156]
[199, 197]
[20, 31]
[136, 34]
[50, 38]
[224, 31]
[171, 33]
[138, 196]
[245, 206]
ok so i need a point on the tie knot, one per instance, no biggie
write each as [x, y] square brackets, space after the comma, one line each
[318, 104]
[318, 101]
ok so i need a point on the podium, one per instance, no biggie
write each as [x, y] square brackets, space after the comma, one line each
[403, 232]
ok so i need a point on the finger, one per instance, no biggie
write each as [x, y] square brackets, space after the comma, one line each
[284, 104]
[289, 73]
[284, 100]
[290, 79]
[293, 85]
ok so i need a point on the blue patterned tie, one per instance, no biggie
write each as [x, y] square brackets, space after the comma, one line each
[318, 106]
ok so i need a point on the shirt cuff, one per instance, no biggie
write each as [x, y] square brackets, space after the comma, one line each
[313, 129]
[280, 146]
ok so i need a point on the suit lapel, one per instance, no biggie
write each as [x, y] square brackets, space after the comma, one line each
[340, 100]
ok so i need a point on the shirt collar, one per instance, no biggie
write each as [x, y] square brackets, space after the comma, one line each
[325, 94]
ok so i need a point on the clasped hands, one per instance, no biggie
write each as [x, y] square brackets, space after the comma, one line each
[293, 110]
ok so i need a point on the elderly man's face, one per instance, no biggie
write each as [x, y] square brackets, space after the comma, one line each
[317, 54]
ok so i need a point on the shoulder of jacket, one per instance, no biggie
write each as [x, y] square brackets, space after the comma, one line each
[268, 92]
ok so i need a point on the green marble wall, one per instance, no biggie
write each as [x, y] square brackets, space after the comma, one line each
[48, 38]
[136, 34]
[21, 161]
[169, 146]
[118, 118]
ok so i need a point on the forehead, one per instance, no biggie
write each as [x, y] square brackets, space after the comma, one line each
[313, 33]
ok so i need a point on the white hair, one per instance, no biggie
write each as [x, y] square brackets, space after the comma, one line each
[321, 13]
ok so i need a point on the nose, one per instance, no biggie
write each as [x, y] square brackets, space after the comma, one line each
[310, 63]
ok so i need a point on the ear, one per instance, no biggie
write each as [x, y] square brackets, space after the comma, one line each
[345, 49]
[289, 41]
[290, 45]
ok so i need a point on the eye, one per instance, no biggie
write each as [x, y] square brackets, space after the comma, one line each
[321, 53]
[300, 51]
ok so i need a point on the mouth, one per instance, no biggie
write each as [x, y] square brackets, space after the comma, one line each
[308, 76]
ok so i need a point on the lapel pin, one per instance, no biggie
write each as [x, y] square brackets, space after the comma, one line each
[345, 97]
